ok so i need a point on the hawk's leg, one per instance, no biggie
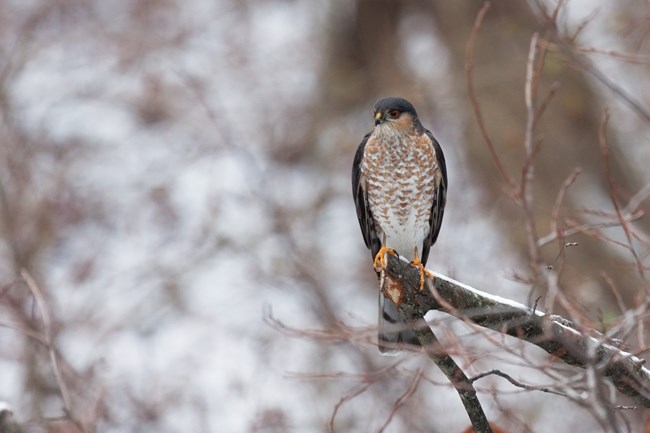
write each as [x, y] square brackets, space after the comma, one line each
[380, 259]
[416, 263]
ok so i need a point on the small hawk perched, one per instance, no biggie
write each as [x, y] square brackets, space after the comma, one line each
[399, 183]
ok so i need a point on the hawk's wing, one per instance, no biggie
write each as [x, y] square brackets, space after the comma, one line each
[360, 194]
[439, 200]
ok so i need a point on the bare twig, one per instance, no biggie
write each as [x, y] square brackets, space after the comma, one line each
[413, 386]
[54, 360]
[638, 59]
[615, 291]
[34, 335]
[545, 102]
[555, 213]
[567, 48]
[637, 199]
[582, 228]
[604, 149]
[564, 246]
[469, 67]
[355, 391]
[516, 382]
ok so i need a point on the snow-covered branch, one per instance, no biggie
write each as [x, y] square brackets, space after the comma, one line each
[558, 336]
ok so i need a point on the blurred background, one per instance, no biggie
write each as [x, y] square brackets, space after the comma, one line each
[179, 249]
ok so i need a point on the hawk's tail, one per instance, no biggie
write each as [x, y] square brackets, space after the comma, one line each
[392, 328]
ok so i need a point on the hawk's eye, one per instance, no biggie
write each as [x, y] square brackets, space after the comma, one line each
[393, 114]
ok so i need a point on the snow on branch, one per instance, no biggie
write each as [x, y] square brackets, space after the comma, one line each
[558, 336]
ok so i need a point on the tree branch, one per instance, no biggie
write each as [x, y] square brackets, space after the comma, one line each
[556, 335]
[463, 385]
[437, 353]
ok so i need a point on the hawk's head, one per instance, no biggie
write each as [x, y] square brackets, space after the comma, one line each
[397, 113]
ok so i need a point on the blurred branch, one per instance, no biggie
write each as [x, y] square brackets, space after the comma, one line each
[567, 47]
[516, 382]
[54, 357]
[402, 399]
[528, 172]
[638, 59]
[463, 385]
[581, 228]
[604, 150]
[469, 67]
[556, 335]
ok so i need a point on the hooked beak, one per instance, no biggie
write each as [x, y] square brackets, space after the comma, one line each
[379, 117]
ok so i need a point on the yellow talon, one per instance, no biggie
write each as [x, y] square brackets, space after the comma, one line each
[416, 263]
[380, 259]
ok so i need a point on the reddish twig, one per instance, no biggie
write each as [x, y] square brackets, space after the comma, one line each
[638, 59]
[604, 150]
[585, 228]
[401, 400]
[54, 358]
[469, 66]
[615, 291]
[355, 391]
[566, 46]
[555, 213]
[583, 25]
[546, 101]
[638, 198]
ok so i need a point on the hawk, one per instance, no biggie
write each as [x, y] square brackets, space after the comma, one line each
[399, 183]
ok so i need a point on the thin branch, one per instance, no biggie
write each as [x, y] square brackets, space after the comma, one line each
[582, 228]
[545, 102]
[54, 359]
[639, 59]
[469, 67]
[615, 291]
[45, 315]
[553, 265]
[555, 213]
[516, 382]
[355, 391]
[401, 400]
[567, 48]
[604, 149]
[637, 199]
[598, 234]
[582, 26]
[34, 335]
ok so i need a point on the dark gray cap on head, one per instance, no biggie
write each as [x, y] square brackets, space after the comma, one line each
[395, 103]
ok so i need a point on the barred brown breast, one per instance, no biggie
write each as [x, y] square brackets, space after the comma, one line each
[401, 173]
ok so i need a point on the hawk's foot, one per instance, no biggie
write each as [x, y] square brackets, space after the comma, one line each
[380, 262]
[416, 263]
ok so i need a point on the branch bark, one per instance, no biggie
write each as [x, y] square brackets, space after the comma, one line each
[436, 352]
[556, 335]
[463, 384]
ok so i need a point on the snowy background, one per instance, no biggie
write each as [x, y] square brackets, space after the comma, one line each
[175, 177]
